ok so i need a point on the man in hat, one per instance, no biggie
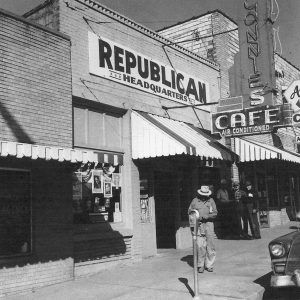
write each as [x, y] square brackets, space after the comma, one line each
[251, 202]
[206, 207]
[225, 207]
[241, 210]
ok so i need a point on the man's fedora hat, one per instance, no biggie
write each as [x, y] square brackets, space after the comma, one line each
[204, 191]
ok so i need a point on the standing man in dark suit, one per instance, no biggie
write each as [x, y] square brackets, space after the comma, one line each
[251, 203]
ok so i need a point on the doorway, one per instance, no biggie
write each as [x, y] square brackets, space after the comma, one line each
[165, 209]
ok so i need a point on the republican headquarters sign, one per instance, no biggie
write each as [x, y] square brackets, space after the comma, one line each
[124, 65]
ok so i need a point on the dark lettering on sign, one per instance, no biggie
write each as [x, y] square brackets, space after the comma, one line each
[130, 61]
[279, 74]
[132, 68]
[180, 87]
[119, 59]
[191, 89]
[295, 93]
[143, 72]
[104, 54]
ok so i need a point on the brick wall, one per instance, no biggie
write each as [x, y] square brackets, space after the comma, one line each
[35, 85]
[194, 34]
[225, 48]
[285, 72]
[47, 14]
[220, 48]
[27, 278]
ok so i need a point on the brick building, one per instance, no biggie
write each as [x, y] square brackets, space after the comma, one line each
[131, 96]
[215, 36]
[36, 156]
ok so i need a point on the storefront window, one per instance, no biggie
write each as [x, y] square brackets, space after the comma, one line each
[15, 212]
[97, 193]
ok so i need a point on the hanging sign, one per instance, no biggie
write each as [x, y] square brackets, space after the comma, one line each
[256, 51]
[124, 65]
[292, 95]
[249, 121]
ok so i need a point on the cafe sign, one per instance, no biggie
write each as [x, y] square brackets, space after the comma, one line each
[126, 66]
[249, 121]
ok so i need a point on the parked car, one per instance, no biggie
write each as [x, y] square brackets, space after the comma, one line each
[285, 260]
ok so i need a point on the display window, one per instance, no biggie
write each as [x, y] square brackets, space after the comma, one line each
[15, 212]
[97, 192]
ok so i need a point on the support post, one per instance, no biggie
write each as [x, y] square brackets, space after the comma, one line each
[194, 214]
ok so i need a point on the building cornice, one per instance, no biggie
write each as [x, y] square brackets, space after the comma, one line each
[34, 24]
[146, 31]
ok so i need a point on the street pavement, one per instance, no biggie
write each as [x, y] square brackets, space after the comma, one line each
[242, 271]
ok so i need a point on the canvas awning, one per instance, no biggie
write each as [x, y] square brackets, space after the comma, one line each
[254, 151]
[155, 136]
[33, 151]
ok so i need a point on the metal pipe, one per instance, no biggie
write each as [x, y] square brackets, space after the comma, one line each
[195, 215]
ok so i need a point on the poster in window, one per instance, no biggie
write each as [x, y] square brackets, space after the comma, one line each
[97, 187]
[145, 209]
[116, 179]
[107, 189]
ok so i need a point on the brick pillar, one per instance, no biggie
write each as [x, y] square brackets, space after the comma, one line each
[234, 174]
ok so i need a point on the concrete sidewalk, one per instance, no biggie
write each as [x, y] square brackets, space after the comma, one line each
[241, 269]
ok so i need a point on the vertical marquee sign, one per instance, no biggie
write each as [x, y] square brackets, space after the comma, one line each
[256, 53]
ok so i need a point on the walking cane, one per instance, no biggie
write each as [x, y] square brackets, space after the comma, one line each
[194, 214]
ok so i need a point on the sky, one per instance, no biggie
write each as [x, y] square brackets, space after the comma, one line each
[156, 14]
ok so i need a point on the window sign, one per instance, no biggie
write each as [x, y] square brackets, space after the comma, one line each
[124, 65]
[96, 197]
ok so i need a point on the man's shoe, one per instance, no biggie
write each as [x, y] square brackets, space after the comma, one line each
[249, 237]
[200, 269]
[210, 269]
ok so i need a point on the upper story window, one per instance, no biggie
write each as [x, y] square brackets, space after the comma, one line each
[97, 130]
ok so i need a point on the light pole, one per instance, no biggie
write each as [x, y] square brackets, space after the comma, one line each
[194, 215]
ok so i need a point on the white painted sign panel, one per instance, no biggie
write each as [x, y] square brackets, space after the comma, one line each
[126, 66]
[292, 95]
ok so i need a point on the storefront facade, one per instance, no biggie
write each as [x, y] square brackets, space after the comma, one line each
[275, 177]
[126, 78]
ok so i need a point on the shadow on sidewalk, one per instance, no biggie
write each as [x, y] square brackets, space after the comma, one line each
[288, 293]
[189, 260]
[186, 283]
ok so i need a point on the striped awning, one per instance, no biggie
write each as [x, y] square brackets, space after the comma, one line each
[154, 136]
[254, 151]
[33, 151]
